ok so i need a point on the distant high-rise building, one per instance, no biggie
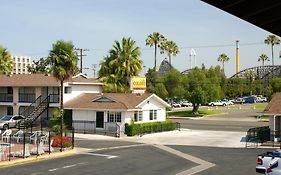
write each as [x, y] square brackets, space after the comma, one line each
[21, 63]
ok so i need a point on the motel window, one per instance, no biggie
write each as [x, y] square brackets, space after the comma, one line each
[137, 116]
[114, 117]
[152, 114]
[67, 90]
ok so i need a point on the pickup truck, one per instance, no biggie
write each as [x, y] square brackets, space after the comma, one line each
[269, 163]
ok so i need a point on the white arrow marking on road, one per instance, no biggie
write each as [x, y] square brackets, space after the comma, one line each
[101, 155]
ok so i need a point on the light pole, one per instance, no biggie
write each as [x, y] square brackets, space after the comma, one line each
[192, 54]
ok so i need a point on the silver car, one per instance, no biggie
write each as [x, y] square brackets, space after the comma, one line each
[10, 121]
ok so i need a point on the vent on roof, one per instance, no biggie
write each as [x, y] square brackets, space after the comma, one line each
[103, 99]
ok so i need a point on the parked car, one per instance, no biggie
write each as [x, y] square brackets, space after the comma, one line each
[261, 98]
[239, 100]
[186, 104]
[176, 105]
[220, 103]
[250, 99]
[10, 121]
[269, 163]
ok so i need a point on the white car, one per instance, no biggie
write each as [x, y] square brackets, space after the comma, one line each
[9, 121]
[176, 105]
[186, 104]
[220, 103]
[269, 163]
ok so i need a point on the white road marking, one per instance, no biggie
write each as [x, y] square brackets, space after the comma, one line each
[101, 155]
[67, 166]
[203, 165]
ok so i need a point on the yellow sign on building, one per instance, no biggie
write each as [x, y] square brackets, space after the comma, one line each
[138, 83]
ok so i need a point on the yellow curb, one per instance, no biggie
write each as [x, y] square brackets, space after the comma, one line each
[38, 158]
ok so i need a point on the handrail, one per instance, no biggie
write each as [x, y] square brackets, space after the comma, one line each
[32, 105]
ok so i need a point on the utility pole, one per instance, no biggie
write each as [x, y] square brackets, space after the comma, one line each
[94, 69]
[81, 56]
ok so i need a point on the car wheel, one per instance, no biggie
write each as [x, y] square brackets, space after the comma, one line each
[224, 104]
[5, 127]
[212, 104]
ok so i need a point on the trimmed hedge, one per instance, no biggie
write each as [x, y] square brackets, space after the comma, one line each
[149, 127]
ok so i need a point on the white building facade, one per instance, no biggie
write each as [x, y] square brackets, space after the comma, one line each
[21, 64]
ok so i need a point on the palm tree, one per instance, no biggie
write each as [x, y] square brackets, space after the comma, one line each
[6, 61]
[127, 56]
[272, 40]
[122, 63]
[155, 39]
[263, 58]
[63, 61]
[170, 48]
[223, 58]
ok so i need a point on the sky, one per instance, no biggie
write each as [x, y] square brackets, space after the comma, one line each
[30, 27]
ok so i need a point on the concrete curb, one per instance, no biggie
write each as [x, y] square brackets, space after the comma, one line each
[38, 158]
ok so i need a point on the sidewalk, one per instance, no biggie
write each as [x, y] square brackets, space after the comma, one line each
[183, 137]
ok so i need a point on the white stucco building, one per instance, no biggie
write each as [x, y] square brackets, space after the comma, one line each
[100, 111]
[21, 64]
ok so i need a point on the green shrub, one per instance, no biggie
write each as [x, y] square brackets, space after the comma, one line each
[149, 127]
[263, 133]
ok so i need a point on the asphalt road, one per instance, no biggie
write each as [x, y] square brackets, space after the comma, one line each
[230, 120]
[230, 161]
[135, 160]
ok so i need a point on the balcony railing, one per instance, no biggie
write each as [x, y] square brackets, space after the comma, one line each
[4, 97]
[26, 97]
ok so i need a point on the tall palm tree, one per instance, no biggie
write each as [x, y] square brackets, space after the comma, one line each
[122, 63]
[223, 58]
[263, 58]
[155, 39]
[63, 61]
[170, 48]
[272, 40]
[6, 61]
[127, 54]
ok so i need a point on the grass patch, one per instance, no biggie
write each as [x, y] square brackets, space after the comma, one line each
[260, 106]
[265, 117]
[189, 113]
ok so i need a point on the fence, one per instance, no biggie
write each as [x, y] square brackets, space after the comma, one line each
[259, 135]
[17, 144]
[84, 126]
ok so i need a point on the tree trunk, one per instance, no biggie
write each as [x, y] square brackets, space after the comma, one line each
[155, 52]
[195, 108]
[61, 111]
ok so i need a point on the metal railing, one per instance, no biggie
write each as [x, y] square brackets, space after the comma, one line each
[257, 135]
[4, 97]
[23, 144]
[107, 128]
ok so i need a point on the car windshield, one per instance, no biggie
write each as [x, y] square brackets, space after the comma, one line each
[6, 118]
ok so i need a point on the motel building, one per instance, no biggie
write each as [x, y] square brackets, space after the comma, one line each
[109, 112]
[90, 109]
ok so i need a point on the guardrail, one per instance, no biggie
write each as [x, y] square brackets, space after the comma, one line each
[85, 126]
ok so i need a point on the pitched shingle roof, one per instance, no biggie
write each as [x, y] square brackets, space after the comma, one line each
[38, 80]
[274, 106]
[119, 101]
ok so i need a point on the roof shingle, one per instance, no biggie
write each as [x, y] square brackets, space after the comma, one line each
[274, 106]
[122, 101]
